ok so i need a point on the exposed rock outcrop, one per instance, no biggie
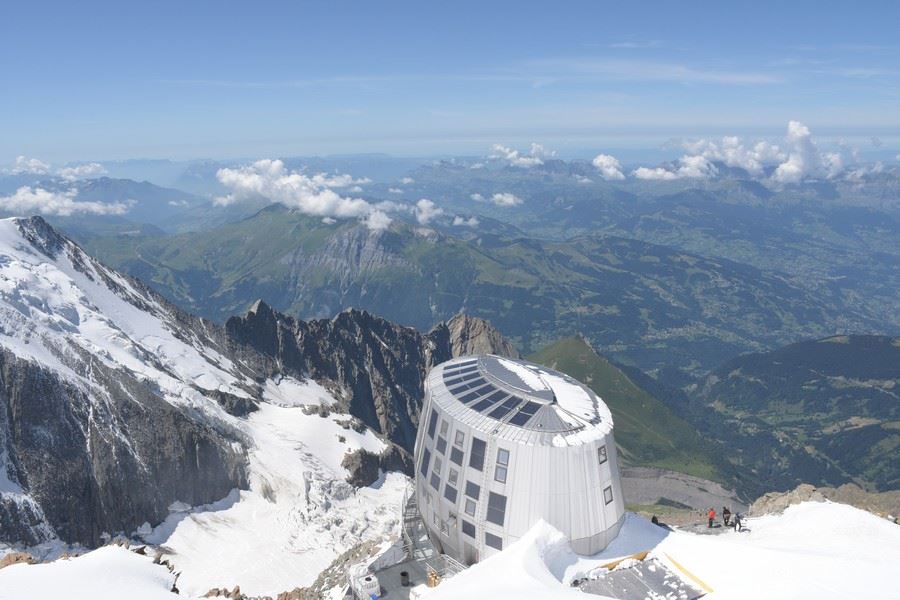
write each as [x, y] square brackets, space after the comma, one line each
[884, 504]
[380, 366]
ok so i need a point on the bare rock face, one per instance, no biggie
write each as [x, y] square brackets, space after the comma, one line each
[883, 504]
[380, 366]
[471, 335]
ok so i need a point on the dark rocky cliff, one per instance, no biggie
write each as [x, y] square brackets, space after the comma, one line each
[380, 366]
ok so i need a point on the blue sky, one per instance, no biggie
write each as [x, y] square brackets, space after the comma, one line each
[98, 81]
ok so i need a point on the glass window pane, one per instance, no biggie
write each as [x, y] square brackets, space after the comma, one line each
[441, 445]
[444, 427]
[601, 454]
[468, 529]
[459, 438]
[432, 423]
[470, 507]
[454, 476]
[426, 458]
[502, 457]
[472, 490]
[476, 459]
[607, 494]
[450, 493]
[496, 511]
[456, 455]
[493, 541]
[436, 481]
[500, 474]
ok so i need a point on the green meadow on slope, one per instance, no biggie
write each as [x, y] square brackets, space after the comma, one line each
[647, 432]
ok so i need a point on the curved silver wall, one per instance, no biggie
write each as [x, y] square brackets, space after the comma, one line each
[502, 444]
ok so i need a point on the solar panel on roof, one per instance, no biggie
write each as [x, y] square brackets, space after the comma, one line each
[476, 393]
[503, 410]
[526, 412]
[461, 379]
[490, 400]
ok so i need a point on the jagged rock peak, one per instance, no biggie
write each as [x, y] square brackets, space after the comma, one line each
[41, 235]
[472, 335]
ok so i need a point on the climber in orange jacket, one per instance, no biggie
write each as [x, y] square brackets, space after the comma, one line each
[712, 516]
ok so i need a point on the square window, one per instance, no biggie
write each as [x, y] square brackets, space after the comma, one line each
[476, 458]
[459, 439]
[450, 493]
[502, 457]
[454, 476]
[494, 541]
[607, 494]
[496, 511]
[468, 529]
[470, 507]
[441, 445]
[456, 455]
[500, 474]
[472, 490]
[601, 454]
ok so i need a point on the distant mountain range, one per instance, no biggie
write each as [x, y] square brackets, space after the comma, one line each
[671, 313]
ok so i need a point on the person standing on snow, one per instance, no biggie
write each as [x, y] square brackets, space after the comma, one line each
[726, 515]
[712, 516]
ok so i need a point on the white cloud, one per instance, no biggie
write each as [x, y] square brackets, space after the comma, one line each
[394, 190]
[329, 220]
[506, 199]
[688, 167]
[28, 200]
[583, 180]
[426, 210]
[732, 151]
[377, 220]
[355, 189]
[81, 171]
[31, 166]
[407, 180]
[608, 166]
[459, 221]
[477, 165]
[313, 195]
[533, 158]
[479, 198]
[804, 159]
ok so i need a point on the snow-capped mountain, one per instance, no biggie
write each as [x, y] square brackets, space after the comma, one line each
[244, 456]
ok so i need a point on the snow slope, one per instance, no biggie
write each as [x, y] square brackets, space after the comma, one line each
[814, 550]
[64, 310]
[297, 516]
[109, 573]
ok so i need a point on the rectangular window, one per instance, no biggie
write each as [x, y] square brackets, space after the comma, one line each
[601, 454]
[444, 427]
[496, 511]
[468, 529]
[502, 465]
[432, 423]
[426, 458]
[470, 507]
[454, 477]
[493, 541]
[459, 438]
[472, 490]
[441, 445]
[456, 455]
[444, 528]
[450, 493]
[607, 494]
[476, 458]
[436, 481]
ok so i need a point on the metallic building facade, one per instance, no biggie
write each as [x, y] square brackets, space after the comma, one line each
[504, 443]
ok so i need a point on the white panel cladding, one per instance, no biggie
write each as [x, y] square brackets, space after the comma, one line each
[561, 481]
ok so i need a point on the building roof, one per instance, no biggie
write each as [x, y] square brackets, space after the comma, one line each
[519, 400]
